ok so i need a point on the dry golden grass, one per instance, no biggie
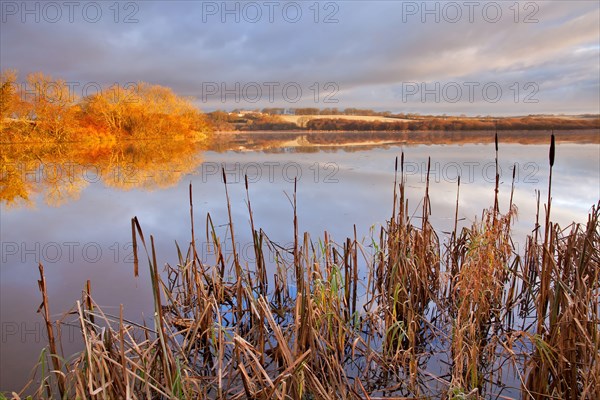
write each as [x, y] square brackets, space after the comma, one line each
[492, 323]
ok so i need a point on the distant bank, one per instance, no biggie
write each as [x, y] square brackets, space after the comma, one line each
[259, 121]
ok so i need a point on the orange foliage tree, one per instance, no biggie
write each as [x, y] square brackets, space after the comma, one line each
[51, 105]
[144, 110]
[44, 109]
[9, 97]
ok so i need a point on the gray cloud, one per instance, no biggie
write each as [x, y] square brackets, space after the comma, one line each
[373, 49]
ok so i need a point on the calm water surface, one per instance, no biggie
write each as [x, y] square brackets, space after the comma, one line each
[77, 222]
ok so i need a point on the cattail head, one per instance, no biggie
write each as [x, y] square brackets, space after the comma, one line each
[552, 150]
[496, 140]
[402, 162]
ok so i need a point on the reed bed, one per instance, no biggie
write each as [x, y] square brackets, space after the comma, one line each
[408, 315]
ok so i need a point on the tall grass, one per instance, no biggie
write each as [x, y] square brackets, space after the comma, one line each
[414, 317]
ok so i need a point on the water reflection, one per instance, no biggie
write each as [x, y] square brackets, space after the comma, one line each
[340, 185]
[59, 172]
[355, 141]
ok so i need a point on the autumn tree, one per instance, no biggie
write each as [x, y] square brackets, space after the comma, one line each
[144, 110]
[108, 110]
[9, 96]
[51, 105]
[13, 123]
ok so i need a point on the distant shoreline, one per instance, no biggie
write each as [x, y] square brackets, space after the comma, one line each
[297, 139]
[264, 122]
[375, 137]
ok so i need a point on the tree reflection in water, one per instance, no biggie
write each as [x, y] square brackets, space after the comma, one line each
[59, 172]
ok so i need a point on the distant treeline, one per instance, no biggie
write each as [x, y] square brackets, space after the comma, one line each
[367, 112]
[266, 121]
[444, 137]
[465, 124]
[333, 111]
[43, 109]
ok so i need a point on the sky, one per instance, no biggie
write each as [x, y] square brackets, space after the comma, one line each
[435, 57]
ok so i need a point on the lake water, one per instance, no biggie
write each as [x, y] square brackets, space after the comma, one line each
[71, 208]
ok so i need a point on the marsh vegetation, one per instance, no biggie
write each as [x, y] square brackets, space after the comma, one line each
[412, 314]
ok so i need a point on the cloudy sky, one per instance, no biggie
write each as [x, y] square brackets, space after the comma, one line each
[471, 57]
